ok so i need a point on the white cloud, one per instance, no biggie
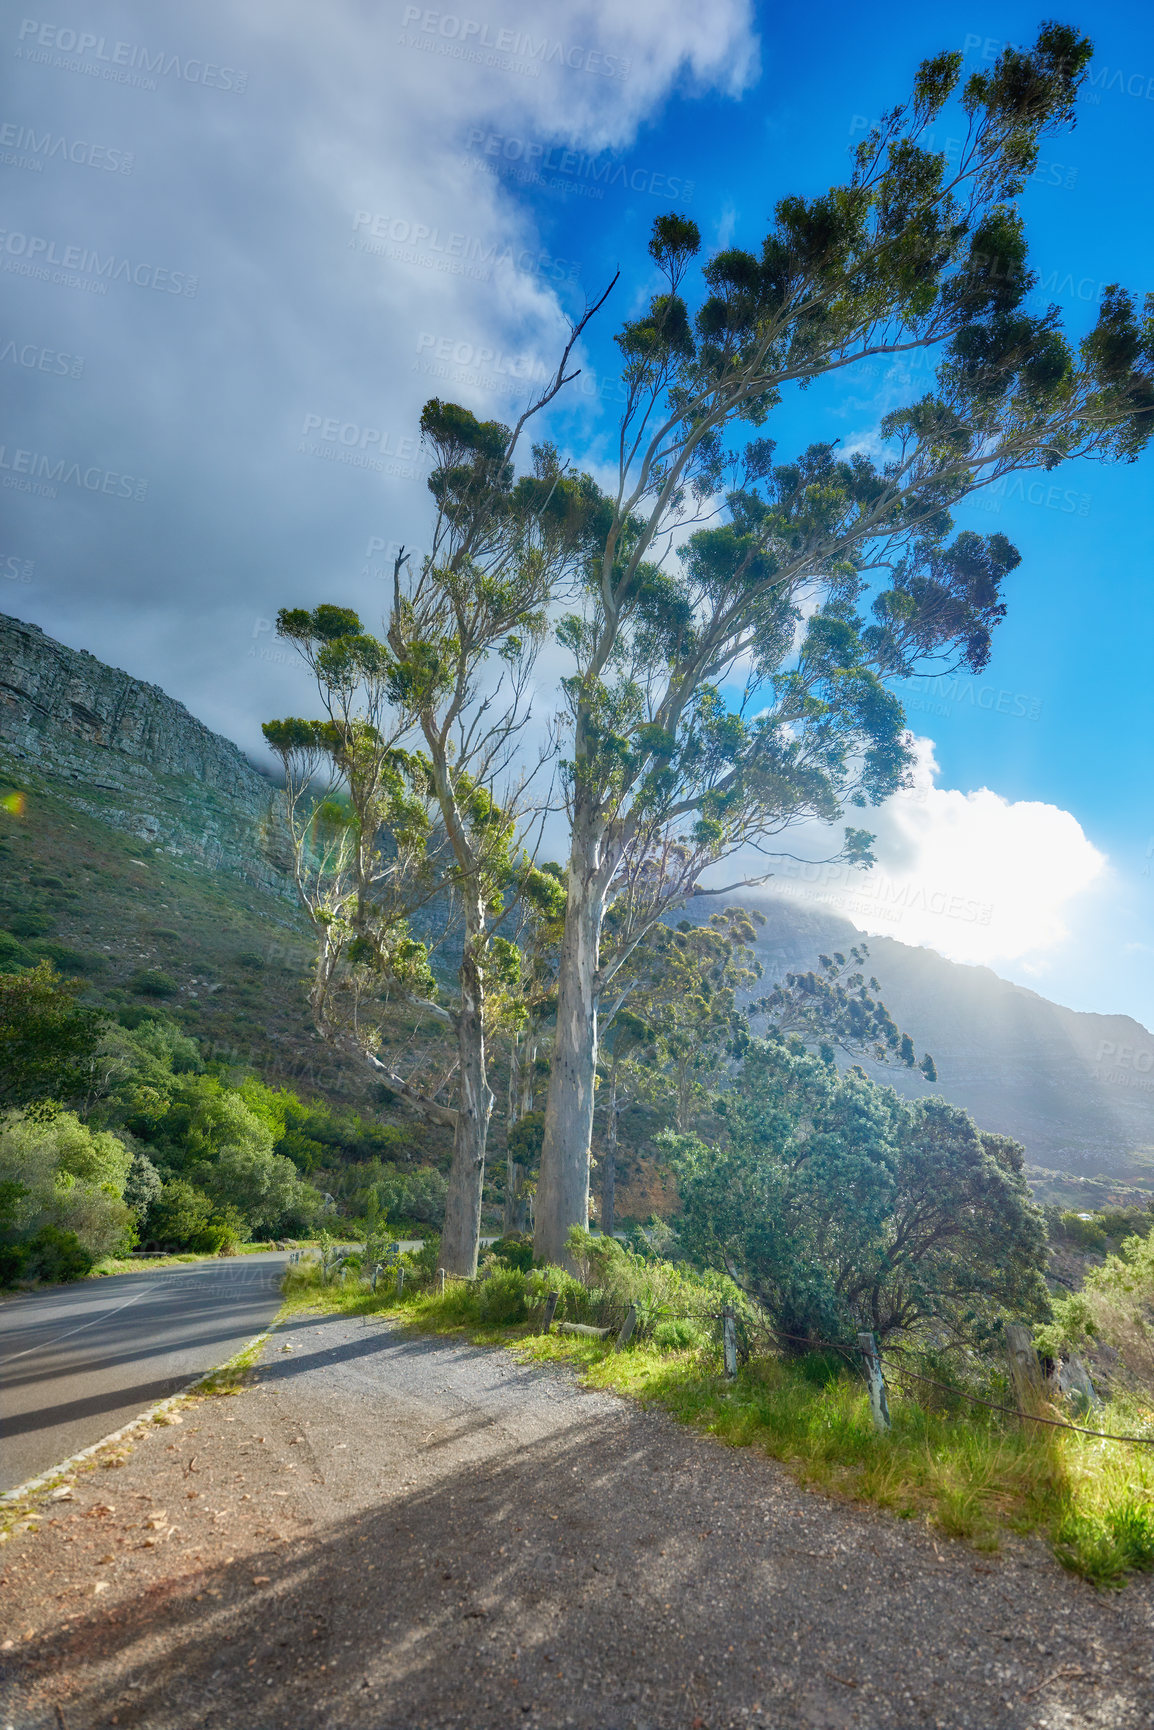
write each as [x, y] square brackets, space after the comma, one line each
[306, 317]
[977, 877]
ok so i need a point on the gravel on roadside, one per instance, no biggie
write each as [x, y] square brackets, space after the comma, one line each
[391, 1532]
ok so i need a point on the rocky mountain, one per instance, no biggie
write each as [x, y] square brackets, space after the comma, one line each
[128, 753]
[1076, 1089]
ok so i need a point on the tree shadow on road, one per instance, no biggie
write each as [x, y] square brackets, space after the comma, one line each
[613, 1571]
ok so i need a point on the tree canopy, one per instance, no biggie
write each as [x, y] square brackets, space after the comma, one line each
[840, 1206]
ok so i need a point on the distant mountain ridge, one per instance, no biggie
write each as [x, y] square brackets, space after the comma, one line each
[1076, 1089]
[128, 753]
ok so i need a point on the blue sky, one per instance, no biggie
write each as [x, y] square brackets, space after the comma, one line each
[315, 208]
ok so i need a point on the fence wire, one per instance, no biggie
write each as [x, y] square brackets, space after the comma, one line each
[852, 1354]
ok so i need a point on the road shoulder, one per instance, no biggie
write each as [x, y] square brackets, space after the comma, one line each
[388, 1530]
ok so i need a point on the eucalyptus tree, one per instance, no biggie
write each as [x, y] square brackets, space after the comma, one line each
[832, 1005]
[745, 615]
[428, 801]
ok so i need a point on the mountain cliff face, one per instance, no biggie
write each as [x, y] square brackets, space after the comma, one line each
[128, 753]
[1076, 1089]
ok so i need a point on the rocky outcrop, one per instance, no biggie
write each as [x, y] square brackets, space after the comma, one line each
[131, 755]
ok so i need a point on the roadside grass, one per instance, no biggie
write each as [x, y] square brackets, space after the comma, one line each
[973, 1476]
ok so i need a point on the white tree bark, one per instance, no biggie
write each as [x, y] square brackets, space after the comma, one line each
[563, 1186]
[459, 1238]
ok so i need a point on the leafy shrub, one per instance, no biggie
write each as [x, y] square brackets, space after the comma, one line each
[48, 1041]
[264, 1188]
[1116, 1304]
[838, 1204]
[425, 1261]
[679, 1335]
[613, 1278]
[250, 958]
[151, 982]
[575, 1303]
[502, 1299]
[142, 1186]
[515, 1251]
[423, 1196]
[1123, 1222]
[13, 954]
[395, 1194]
[56, 1172]
[1086, 1232]
[183, 1217]
[55, 1255]
[70, 961]
[31, 924]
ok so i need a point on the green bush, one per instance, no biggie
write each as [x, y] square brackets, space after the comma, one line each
[425, 1261]
[151, 982]
[183, 1217]
[515, 1251]
[13, 954]
[679, 1336]
[57, 1174]
[502, 1298]
[1085, 1233]
[69, 961]
[1123, 1222]
[56, 1255]
[31, 924]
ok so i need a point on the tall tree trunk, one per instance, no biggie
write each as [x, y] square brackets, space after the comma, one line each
[563, 1186]
[459, 1240]
[609, 1175]
[683, 1061]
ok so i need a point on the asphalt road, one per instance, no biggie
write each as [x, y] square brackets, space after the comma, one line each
[79, 1361]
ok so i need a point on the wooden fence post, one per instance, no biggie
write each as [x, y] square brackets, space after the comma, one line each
[1025, 1370]
[875, 1381]
[400, 1282]
[550, 1312]
[627, 1327]
[440, 1282]
[729, 1340]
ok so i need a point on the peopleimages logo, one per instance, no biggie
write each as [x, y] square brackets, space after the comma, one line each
[32, 472]
[533, 163]
[33, 255]
[25, 147]
[120, 62]
[470, 36]
[416, 242]
[36, 358]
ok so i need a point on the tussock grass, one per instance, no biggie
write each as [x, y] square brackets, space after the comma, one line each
[971, 1475]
